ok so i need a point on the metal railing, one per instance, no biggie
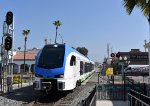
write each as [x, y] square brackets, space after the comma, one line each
[138, 99]
[119, 91]
[90, 100]
[110, 92]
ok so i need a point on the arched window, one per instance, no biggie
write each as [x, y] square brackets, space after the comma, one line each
[73, 61]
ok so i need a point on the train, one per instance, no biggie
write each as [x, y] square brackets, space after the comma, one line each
[137, 70]
[61, 67]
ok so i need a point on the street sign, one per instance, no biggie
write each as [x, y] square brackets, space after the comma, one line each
[109, 71]
[99, 88]
[112, 55]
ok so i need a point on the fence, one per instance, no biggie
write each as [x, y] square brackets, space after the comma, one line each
[138, 99]
[118, 91]
[110, 92]
[90, 100]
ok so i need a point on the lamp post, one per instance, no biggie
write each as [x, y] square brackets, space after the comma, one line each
[25, 33]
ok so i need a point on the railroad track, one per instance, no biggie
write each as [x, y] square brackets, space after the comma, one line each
[51, 99]
[68, 98]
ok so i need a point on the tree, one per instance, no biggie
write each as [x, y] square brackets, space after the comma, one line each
[143, 5]
[25, 34]
[57, 24]
[19, 48]
[82, 50]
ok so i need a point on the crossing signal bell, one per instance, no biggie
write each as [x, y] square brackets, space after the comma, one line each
[8, 43]
[9, 18]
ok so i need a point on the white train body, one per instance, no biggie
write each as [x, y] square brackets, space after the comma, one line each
[74, 69]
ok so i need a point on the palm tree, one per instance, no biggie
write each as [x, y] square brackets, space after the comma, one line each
[19, 48]
[143, 5]
[25, 34]
[57, 24]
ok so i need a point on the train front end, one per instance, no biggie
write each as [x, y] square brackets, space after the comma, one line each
[49, 67]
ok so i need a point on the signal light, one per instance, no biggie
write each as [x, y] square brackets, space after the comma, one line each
[8, 43]
[118, 54]
[112, 55]
[9, 18]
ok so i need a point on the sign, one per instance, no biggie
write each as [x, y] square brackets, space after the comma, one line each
[112, 55]
[139, 57]
[109, 71]
[99, 88]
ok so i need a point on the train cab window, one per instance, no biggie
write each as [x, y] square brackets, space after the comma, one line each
[73, 61]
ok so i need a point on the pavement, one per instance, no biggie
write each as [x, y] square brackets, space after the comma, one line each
[18, 86]
[111, 103]
[104, 80]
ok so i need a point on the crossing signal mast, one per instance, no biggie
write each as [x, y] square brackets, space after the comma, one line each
[8, 39]
[7, 53]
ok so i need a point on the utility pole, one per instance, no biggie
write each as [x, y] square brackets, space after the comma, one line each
[108, 49]
[145, 44]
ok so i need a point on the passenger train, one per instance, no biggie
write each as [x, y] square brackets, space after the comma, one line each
[60, 67]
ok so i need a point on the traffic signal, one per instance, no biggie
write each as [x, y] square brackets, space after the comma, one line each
[9, 18]
[118, 54]
[112, 55]
[8, 43]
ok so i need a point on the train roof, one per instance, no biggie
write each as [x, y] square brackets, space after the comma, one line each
[68, 48]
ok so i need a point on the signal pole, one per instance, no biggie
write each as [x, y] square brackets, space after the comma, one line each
[108, 49]
[6, 48]
[145, 44]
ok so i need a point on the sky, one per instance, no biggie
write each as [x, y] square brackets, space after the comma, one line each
[85, 23]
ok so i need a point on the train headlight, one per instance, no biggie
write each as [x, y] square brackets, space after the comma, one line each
[59, 76]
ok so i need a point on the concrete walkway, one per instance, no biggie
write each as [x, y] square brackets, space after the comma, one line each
[111, 103]
[18, 86]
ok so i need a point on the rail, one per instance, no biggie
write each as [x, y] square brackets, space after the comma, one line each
[138, 99]
[90, 100]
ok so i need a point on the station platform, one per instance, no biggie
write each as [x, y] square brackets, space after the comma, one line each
[104, 80]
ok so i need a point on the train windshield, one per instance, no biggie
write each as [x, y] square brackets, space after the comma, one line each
[52, 56]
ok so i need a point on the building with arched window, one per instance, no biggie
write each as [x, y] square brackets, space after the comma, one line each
[18, 61]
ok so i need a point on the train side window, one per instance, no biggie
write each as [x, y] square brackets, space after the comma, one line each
[73, 61]
[81, 67]
[86, 67]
